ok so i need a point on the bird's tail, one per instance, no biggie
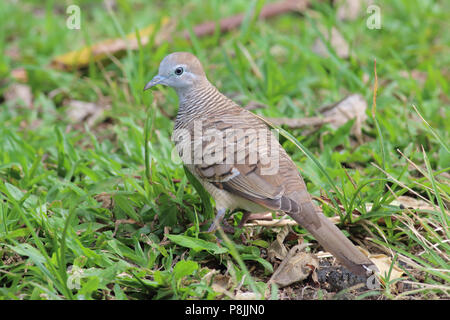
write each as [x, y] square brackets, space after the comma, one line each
[333, 240]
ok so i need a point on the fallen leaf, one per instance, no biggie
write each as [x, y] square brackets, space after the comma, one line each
[19, 74]
[233, 22]
[296, 266]
[252, 105]
[277, 249]
[283, 221]
[272, 223]
[296, 123]
[412, 203]
[337, 42]
[407, 202]
[417, 75]
[102, 50]
[105, 199]
[221, 283]
[82, 111]
[351, 107]
[260, 216]
[383, 263]
[337, 114]
[348, 9]
[20, 94]
[247, 295]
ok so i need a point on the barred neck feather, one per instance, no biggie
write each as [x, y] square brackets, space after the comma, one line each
[201, 101]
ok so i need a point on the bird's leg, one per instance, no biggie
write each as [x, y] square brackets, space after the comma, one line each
[219, 217]
[244, 219]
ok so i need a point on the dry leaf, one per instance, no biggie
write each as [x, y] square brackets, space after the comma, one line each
[337, 42]
[277, 249]
[296, 266]
[337, 114]
[284, 221]
[383, 263]
[272, 223]
[248, 295]
[105, 199]
[408, 202]
[233, 22]
[252, 105]
[417, 75]
[348, 9]
[353, 106]
[19, 74]
[411, 203]
[99, 51]
[82, 111]
[20, 94]
[81, 58]
[296, 123]
[221, 283]
[258, 216]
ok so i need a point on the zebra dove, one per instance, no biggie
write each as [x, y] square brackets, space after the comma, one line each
[239, 161]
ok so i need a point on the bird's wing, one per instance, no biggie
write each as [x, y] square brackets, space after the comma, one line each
[244, 158]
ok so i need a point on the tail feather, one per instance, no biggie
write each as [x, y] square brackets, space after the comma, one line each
[333, 240]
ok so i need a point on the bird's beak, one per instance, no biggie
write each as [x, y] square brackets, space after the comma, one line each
[156, 80]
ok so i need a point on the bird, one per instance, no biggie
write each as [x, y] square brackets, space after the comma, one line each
[239, 161]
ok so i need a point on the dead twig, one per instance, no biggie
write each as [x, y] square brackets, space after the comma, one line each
[300, 122]
[233, 22]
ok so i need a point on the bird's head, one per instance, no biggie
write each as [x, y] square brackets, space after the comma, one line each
[179, 70]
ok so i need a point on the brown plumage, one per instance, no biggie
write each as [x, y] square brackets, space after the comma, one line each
[238, 160]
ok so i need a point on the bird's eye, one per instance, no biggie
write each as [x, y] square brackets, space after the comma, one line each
[179, 71]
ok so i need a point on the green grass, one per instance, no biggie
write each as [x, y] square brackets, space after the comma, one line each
[98, 213]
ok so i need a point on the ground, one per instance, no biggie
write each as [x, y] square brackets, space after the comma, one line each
[94, 204]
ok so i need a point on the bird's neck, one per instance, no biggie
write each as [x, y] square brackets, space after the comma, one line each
[199, 101]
